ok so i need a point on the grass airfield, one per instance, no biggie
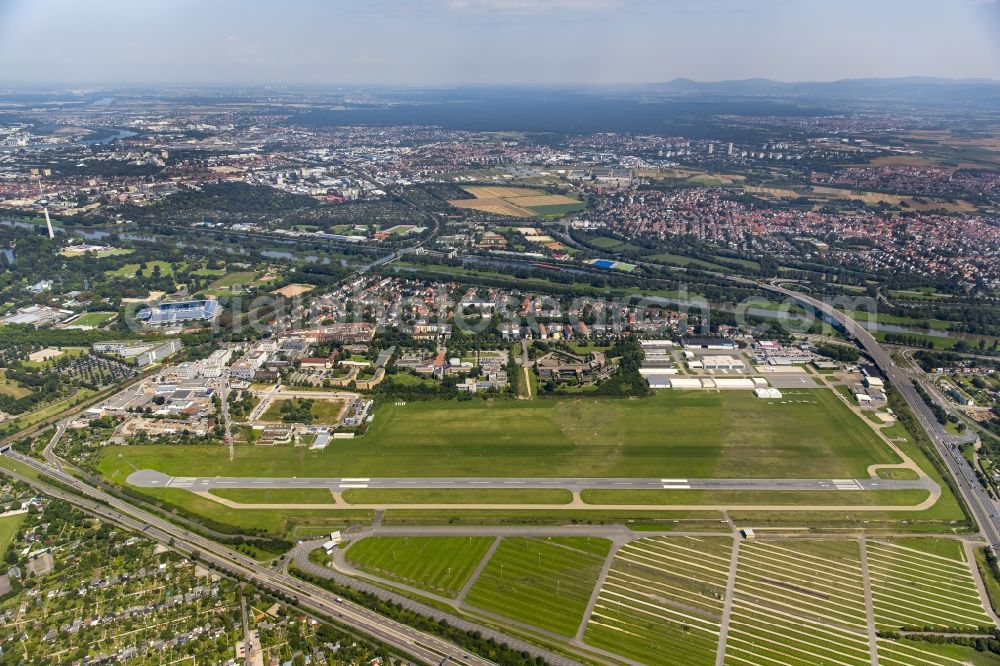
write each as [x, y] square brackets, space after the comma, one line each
[672, 435]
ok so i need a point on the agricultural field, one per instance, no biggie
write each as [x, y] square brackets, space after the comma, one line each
[544, 583]
[662, 600]
[518, 202]
[922, 583]
[442, 565]
[798, 603]
[675, 435]
[820, 195]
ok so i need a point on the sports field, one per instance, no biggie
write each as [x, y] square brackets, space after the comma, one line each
[672, 434]
[292, 290]
[230, 280]
[93, 318]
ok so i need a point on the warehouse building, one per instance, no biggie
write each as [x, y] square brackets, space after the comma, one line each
[723, 363]
[709, 343]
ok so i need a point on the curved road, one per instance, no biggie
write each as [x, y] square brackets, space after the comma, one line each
[983, 508]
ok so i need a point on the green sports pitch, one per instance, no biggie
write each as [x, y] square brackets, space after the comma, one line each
[808, 434]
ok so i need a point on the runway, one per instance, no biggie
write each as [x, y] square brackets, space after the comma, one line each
[147, 478]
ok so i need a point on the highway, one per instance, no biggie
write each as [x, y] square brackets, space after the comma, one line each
[147, 478]
[424, 647]
[983, 508]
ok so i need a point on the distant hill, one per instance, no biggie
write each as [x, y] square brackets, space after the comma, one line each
[917, 89]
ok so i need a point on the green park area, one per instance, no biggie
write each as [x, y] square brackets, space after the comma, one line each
[8, 530]
[303, 410]
[11, 388]
[672, 435]
[164, 268]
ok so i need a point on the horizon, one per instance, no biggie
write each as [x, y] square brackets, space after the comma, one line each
[569, 85]
[493, 42]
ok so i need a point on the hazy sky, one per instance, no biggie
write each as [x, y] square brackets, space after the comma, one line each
[492, 41]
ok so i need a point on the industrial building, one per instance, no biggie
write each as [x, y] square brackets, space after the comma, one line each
[143, 353]
[709, 343]
[720, 363]
[707, 383]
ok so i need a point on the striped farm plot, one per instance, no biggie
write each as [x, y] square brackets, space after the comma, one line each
[912, 587]
[798, 603]
[662, 600]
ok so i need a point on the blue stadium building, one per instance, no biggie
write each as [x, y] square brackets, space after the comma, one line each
[179, 312]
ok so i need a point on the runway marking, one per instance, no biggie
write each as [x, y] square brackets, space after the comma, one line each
[673, 480]
[356, 479]
[846, 484]
[354, 485]
[676, 486]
